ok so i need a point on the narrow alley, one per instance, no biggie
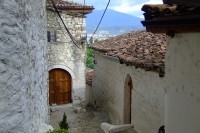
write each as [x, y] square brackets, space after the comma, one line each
[87, 121]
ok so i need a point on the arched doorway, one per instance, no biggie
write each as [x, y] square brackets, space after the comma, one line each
[59, 87]
[128, 86]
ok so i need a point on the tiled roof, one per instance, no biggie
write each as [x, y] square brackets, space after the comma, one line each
[164, 10]
[89, 75]
[183, 2]
[138, 48]
[60, 4]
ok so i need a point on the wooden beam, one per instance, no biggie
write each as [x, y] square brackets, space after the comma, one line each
[183, 2]
[175, 29]
[195, 20]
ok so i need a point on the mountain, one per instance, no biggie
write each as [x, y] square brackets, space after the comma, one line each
[113, 22]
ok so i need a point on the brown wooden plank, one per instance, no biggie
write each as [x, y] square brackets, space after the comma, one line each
[59, 86]
[66, 87]
[52, 98]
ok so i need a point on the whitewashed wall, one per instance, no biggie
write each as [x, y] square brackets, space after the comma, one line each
[147, 94]
[183, 83]
[89, 95]
[23, 66]
[64, 53]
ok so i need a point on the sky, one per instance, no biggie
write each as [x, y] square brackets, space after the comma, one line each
[132, 7]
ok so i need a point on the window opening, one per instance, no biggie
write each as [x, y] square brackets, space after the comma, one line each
[51, 36]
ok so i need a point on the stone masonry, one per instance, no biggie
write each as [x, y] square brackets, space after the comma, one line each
[64, 53]
[23, 66]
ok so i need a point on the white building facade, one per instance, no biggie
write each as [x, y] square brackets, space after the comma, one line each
[182, 87]
[182, 83]
[128, 80]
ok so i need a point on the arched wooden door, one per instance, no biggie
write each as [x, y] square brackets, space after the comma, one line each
[59, 87]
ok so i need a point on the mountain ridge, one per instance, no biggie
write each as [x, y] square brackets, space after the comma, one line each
[114, 20]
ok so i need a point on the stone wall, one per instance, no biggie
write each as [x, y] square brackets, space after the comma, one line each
[147, 103]
[183, 83]
[23, 66]
[64, 53]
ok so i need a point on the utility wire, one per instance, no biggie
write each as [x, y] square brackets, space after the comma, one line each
[72, 38]
[99, 21]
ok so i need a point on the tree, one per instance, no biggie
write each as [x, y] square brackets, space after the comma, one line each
[96, 40]
[89, 59]
[91, 40]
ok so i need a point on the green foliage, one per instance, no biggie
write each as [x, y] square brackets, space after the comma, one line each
[89, 59]
[63, 123]
[96, 40]
[58, 131]
[91, 40]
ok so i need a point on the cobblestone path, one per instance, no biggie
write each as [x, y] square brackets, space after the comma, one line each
[89, 121]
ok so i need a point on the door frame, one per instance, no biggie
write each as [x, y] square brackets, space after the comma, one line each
[69, 71]
[64, 68]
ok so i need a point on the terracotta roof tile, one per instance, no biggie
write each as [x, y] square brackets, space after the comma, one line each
[89, 75]
[165, 10]
[138, 48]
[60, 4]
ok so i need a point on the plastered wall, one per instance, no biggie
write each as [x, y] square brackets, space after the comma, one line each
[23, 66]
[183, 83]
[148, 94]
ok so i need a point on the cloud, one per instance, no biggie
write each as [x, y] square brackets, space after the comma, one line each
[133, 9]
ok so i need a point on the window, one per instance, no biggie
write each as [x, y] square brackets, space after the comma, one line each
[51, 36]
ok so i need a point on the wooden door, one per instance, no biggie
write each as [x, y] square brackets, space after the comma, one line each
[59, 87]
[127, 99]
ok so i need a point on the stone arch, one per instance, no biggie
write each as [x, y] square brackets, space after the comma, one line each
[64, 68]
[128, 86]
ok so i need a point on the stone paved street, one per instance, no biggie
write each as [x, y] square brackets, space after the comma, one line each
[84, 122]
[87, 121]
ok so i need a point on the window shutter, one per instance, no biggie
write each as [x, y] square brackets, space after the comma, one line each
[48, 36]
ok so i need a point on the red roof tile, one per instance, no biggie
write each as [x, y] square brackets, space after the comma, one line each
[138, 48]
[89, 75]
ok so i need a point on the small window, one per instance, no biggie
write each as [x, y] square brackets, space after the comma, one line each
[51, 36]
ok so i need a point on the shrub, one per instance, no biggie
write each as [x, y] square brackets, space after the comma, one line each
[58, 131]
[63, 123]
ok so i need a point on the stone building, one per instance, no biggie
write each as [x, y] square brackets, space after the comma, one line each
[23, 66]
[66, 62]
[128, 80]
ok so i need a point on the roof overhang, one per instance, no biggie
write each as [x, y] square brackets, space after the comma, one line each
[83, 11]
[171, 19]
[178, 25]
[183, 2]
